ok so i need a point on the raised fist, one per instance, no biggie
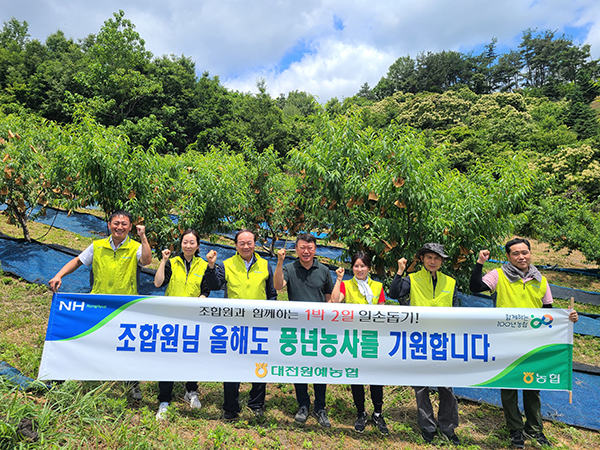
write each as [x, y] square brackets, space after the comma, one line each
[484, 255]
[401, 265]
[281, 254]
[211, 258]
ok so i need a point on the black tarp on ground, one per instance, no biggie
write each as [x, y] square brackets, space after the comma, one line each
[583, 412]
[38, 263]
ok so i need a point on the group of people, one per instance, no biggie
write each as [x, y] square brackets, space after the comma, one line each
[517, 284]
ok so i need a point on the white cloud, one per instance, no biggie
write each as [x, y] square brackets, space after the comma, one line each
[337, 69]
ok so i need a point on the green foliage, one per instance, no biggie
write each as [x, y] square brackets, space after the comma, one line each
[213, 186]
[548, 59]
[544, 63]
[271, 206]
[383, 192]
[565, 223]
[472, 108]
[258, 118]
[91, 159]
[25, 142]
[575, 170]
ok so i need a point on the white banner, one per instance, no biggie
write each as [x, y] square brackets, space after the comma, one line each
[113, 337]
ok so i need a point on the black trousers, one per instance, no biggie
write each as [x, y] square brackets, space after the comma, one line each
[231, 394]
[358, 394]
[447, 413]
[165, 389]
[304, 399]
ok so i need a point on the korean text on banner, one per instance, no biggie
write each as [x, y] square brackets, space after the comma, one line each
[115, 337]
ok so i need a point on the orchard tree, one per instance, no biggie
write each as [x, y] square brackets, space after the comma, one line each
[213, 186]
[93, 157]
[25, 142]
[565, 223]
[271, 207]
[382, 191]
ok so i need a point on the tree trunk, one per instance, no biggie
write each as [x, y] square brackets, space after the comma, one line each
[22, 218]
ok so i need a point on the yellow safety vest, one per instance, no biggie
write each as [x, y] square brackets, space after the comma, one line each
[246, 284]
[186, 284]
[353, 295]
[519, 294]
[115, 271]
[422, 293]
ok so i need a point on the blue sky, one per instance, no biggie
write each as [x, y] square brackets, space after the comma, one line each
[328, 48]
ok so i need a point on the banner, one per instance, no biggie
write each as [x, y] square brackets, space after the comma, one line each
[117, 337]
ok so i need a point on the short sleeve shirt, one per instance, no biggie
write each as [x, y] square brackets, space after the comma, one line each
[307, 285]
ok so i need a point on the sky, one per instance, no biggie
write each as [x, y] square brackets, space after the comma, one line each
[328, 48]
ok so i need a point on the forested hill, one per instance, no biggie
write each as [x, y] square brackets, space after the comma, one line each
[468, 116]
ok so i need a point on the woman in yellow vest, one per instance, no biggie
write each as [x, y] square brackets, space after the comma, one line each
[430, 287]
[183, 275]
[363, 290]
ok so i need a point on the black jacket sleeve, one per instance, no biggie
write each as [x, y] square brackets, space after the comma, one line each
[476, 284]
[400, 287]
[204, 287]
[215, 277]
[271, 291]
[168, 273]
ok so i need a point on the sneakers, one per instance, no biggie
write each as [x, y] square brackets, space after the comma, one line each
[516, 439]
[230, 415]
[379, 423]
[322, 418]
[259, 413]
[361, 422]
[162, 411]
[136, 393]
[539, 437]
[192, 398]
[427, 436]
[301, 415]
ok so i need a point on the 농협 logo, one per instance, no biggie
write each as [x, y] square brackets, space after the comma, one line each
[528, 377]
[538, 322]
[261, 370]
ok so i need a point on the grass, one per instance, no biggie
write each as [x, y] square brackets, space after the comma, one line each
[93, 415]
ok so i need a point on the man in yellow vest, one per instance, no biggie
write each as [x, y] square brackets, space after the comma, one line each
[518, 284]
[114, 261]
[430, 287]
[243, 276]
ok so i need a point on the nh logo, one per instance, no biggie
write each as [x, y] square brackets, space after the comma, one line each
[71, 306]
